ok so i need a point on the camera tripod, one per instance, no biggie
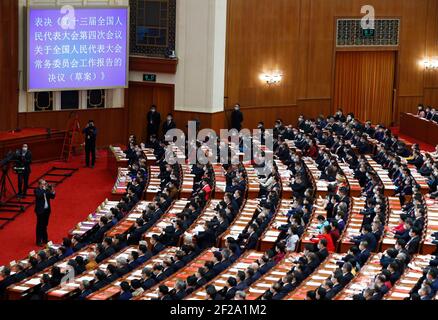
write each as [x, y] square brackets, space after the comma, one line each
[4, 179]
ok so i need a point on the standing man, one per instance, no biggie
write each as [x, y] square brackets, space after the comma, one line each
[24, 159]
[90, 133]
[169, 124]
[43, 194]
[154, 122]
[236, 118]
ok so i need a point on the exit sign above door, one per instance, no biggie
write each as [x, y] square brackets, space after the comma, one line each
[150, 77]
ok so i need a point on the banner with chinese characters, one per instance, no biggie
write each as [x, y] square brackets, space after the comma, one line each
[77, 48]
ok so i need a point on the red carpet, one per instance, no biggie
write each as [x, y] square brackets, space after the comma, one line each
[423, 146]
[76, 198]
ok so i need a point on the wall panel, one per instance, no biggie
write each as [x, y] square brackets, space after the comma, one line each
[307, 57]
[8, 64]
[110, 122]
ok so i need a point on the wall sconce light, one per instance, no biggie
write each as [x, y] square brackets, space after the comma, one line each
[431, 64]
[271, 78]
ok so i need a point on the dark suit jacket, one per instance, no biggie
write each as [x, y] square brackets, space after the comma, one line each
[24, 161]
[413, 245]
[39, 200]
[157, 248]
[252, 242]
[179, 295]
[125, 296]
[149, 283]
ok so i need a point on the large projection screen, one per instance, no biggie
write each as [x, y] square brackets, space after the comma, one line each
[79, 48]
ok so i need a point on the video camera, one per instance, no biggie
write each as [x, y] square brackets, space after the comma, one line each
[12, 157]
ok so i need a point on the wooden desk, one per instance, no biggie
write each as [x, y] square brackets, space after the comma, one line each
[207, 215]
[258, 288]
[317, 278]
[395, 210]
[151, 159]
[44, 147]
[270, 236]
[116, 159]
[431, 226]
[320, 185]
[220, 281]
[409, 279]
[154, 185]
[353, 183]
[119, 189]
[419, 128]
[419, 179]
[354, 224]
[389, 187]
[220, 181]
[362, 280]
[25, 287]
[93, 219]
[166, 219]
[25, 261]
[187, 181]
[242, 221]
[68, 290]
[312, 230]
[112, 291]
[285, 174]
[189, 270]
[129, 220]
[253, 181]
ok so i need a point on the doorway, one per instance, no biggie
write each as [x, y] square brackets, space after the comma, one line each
[364, 84]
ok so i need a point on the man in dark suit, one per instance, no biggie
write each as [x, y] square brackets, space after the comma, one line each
[148, 278]
[7, 280]
[154, 121]
[90, 133]
[364, 253]
[169, 124]
[43, 194]
[157, 246]
[218, 266]
[236, 118]
[251, 242]
[24, 159]
[413, 244]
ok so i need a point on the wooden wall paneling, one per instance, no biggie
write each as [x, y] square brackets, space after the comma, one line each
[408, 104]
[364, 84]
[311, 50]
[148, 64]
[430, 97]
[110, 122]
[412, 46]
[249, 55]
[431, 76]
[8, 64]
[141, 95]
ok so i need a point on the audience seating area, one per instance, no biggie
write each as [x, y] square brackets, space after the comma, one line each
[346, 211]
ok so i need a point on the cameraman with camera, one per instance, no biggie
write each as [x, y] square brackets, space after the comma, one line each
[43, 194]
[23, 160]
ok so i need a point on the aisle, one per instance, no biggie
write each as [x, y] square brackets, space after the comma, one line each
[76, 198]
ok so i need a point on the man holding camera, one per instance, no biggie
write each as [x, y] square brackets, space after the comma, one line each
[90, 133]
[43, 194]
[23, 161]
